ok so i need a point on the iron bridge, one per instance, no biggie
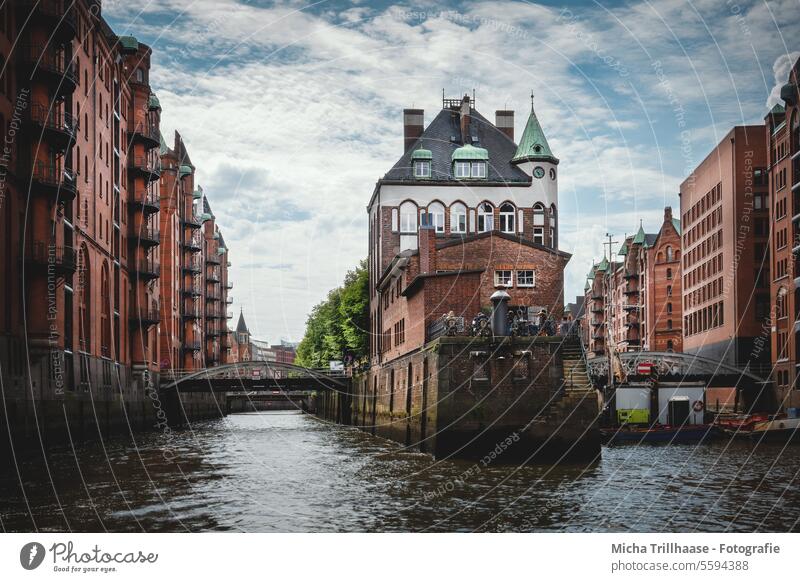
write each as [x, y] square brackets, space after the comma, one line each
[257, 377]
[675, 366]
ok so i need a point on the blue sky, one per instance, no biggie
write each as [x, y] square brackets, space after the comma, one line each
[292, 110]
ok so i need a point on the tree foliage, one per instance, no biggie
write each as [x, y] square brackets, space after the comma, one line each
[338, 325]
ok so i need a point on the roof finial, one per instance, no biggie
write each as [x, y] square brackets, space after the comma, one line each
[531, 99]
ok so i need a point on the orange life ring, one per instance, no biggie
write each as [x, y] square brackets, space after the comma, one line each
[698, 405]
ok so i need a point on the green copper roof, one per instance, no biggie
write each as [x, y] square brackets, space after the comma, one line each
[470, 152]
[184, 170]
[603, 266]
[421, 154]
[777, 108]
[590, 276]
[639, 238]
[198, 193]
[205, 216]
[676, 223]
[129, 43]
[215, 236]
[163, 146]
[624, 249]
[586, 287]
[568, 309]
[153, 102]
[533, 145]
[221, 250]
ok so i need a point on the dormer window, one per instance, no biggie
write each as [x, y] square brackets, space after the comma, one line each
[421, 160]
[469, 162]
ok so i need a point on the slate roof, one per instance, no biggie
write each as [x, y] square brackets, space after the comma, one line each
[443, 136]
[241, 326]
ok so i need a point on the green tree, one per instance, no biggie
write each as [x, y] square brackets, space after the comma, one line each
[339, 323]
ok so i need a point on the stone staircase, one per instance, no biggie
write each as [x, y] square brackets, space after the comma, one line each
[576, 376]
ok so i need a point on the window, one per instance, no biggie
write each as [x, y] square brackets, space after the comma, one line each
[422, 169]
[507, 218]
[503, 279]
[478, 169]
[485, 217]
[436, 213]
[408, 226]
[538, 224]
[669, 254]
[553, 226]
[526, 278]
[669, 273]
[462, 169]
[458, 218]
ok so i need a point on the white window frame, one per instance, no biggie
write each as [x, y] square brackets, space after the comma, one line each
[507, 222]
[538, 215]
[499, 278]
[436, 212]
[522, 278]
[485, 225]
[458, 213]
[478, 169]
[461, 169]
[422, 169]
[408, 218]
[538, 235]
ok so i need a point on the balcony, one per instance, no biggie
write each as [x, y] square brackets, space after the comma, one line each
[190, 312]
[191, 290]
[213, 258]
[145, 318]
[44, 65]
[192, 221]
[632, 324]
[229, 285]
[56, 127]
[229, 315]
[146, 237]
[49, 13]
[212, 295]
[193, 266]
[212, 275]
[144, 167]
[193, 244]
[212, 331]
[229, 300]
[146, 134]
[598, 337]
[596, 322]
[44, 256]
[598, 297]
[597, 310]
[148, 270]
[191, 345]
[631, 307]
[631, 275]
[53, 181]
[631, 291]
[146, 201]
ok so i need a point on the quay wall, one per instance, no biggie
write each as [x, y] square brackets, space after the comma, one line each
[41, 412]
[465, 397]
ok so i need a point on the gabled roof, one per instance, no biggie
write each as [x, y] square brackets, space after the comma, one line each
[676, 224]
[443, 136]
[533, 145]
[640, 236]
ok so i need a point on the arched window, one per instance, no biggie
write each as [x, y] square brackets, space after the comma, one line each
[553, 227]
[105, 313]
[669, 290]
[538, 223]
[84, 300]
[436, 212]
[669, 307]
[670, 256]
[408, 226]
[669, 273]
[507, 218]
[485, 217]
[458, 218]
[670, 345]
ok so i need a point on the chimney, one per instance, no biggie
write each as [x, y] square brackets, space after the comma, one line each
[427, 246]
[464, 114]
[504, 121]
[413, 126]
[667, 213]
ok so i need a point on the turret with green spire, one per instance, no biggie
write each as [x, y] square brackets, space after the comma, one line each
[533, 146]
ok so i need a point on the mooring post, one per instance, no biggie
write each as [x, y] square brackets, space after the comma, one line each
[500, 325]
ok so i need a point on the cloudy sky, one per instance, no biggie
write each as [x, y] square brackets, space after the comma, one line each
[292, 110]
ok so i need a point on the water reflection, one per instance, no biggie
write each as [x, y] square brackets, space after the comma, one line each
[289, 472]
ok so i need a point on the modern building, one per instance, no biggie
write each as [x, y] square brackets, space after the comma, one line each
[783, 168]
[726, 254]
[463, 213]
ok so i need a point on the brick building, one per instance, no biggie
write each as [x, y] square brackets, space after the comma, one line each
[726, 255]
[635, 301]
[783, 166]
[195, 282]
[80, 203]
[464, 211]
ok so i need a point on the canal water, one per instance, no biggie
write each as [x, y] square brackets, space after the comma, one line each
[288, 472]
